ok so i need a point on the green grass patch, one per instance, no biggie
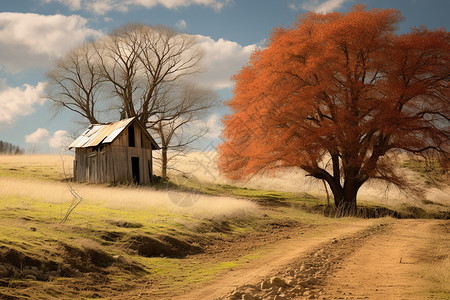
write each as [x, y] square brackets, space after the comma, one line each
[103, 248]
[263, 197]
[95, 231]
[32, 172]
[430, 170]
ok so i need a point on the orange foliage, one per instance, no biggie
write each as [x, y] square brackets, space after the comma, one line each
[342, 88]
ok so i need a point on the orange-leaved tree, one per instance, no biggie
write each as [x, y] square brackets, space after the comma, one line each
[336, 94]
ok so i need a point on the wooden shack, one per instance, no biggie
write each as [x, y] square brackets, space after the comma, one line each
[114, 152]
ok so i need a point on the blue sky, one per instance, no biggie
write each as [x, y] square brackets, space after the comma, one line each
[33, 33]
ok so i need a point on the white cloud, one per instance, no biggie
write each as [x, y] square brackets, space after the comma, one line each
[181, 25]
[318, 6]
[32, 40]
[40, 136]
[59, 139]
[212, 124]
[223, 59]
[101, 7]
[329, 6]
[19, 101]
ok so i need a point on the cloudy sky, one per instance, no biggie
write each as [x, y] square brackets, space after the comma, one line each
[33, 33]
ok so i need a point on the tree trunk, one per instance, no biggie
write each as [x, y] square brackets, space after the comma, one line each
[92, 120]
[348, 205]
[164, 162]
[326, 190]
[345, 198]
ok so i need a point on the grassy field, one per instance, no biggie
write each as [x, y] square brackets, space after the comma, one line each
[125, 237]
[122, 237]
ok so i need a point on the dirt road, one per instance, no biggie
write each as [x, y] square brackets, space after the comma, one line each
[367, 259]
[394, 264]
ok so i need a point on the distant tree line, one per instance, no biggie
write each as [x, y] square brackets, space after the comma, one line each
[8, 148]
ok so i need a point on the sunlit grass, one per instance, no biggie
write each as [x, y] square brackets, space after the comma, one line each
[31, 225]
[47, 167]
[34, 198]
[201, 171]
[431, 171]
[441, 275]
[31, 207]
[127, 199]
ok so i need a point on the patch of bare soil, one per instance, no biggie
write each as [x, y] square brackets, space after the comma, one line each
[305, 277]
[282, 254]
[163, 246]
[125, 224]
[390, 265]
[22, 274]
[17, 264]
[274, 232]
[380, 261]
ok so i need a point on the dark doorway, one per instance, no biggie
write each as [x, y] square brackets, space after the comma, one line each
[135, 169]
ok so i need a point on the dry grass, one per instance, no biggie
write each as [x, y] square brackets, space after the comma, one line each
[117, 222]
[34, 160]
[129, 198]
[437, 271]
[48, 167]
[33, 195]
[202, 166]
[441, 274]
[30, 168]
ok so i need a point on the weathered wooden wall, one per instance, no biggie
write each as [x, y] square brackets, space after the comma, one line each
[112, 162]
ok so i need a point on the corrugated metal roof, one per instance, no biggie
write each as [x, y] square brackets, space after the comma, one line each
[98, 134]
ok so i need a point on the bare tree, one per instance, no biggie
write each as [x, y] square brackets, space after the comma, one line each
[184, 105]
[167, 57]
[146, 68]
[144, 72]
[138, 60]
[119, 66]
[75, 82]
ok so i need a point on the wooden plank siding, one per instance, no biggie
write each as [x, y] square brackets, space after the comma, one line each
[113, 162]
